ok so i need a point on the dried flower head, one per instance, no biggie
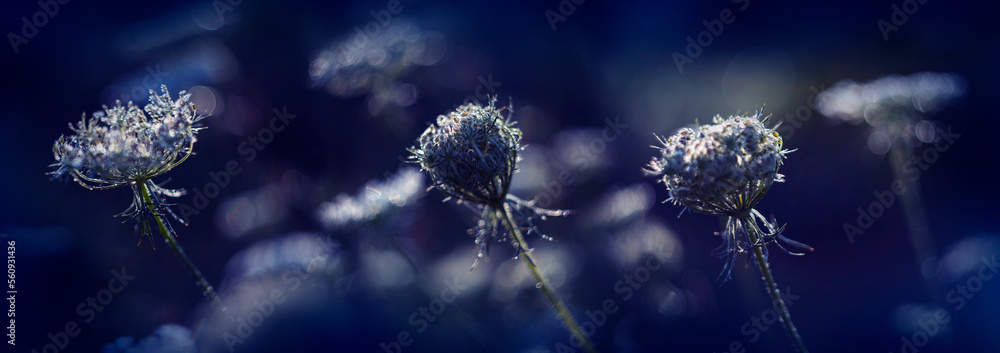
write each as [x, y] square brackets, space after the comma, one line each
[471, 153]
[720, 169]
[724, 169]
[125, 145]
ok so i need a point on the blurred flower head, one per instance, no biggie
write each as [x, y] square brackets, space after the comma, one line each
[125, 144]
[377, 198]
[923, 92]
[724, 168]
[471, 153]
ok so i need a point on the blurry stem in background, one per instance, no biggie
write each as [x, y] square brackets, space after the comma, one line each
[758, 253]
[169, 235]
[543, 284]
[913, 205]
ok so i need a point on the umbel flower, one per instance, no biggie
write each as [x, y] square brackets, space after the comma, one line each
[128, 146]
[725, 169]
[471, 155]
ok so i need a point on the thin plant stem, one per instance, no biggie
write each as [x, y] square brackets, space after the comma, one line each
[913, 205]
[758, 253]
[550, 294]
[168, 234]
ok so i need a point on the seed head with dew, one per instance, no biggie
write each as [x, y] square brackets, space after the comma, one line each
[471, 155]
[125, 145]
[724, 169]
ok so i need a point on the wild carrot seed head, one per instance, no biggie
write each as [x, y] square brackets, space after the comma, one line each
[723, 168]
[471, 153]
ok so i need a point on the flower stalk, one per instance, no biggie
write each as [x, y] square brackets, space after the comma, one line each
[524, 252]
[170, 237]
[760, 258]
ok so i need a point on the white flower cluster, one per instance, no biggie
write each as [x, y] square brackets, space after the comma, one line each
[471, 153]
[925, 92]
[125, 144]
[720, 169]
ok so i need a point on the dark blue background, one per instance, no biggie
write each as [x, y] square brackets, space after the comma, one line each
[606, 59]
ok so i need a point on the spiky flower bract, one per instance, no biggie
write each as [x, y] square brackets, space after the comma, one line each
[724, 169]
[471, 155]
[125, 145]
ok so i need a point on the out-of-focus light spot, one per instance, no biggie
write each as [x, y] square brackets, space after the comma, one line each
[386, 269]
[374, 200]
[354, 65]
[405, 95]
[166, 338]
[925, 131]
[964, 258]
[924, 92]
[646, 238]
[240, 214]
[295, 251]
[621, 205]
[207, 99]
[556, 264]
[879, 142]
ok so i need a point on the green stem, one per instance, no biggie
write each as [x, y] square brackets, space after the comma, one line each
[772, 288]
[550, 294]
[167, 232]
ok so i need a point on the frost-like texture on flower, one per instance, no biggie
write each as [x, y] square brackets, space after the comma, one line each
[374, 200]
[720, 169]
[924, 92]
[471, 153]
[725, 169]
[126, 144]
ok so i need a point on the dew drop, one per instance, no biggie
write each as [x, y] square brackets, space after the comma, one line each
[538, 285]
